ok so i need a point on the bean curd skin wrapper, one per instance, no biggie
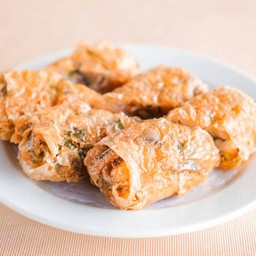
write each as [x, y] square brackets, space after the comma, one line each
[149, 161]
[102, 67]
[6, 126]
[229, 115]
[55, 141]
[154, 93]
[25, 92]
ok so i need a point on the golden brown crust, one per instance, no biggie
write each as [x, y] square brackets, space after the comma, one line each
[229, 116]
[54, 141]
[101, 67]
[149, 161]
[154, 93]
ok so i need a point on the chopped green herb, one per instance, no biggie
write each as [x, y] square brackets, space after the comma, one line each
[68, 143]
[80, 134]
[34, 158]
[71, 72]
[119, 126]
[73, 139]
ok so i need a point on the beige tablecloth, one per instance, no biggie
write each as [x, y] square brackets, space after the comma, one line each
[223, 29]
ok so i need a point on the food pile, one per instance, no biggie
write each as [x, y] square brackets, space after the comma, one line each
[139, 136]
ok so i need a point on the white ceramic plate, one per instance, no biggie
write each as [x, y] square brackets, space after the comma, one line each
[81, 207]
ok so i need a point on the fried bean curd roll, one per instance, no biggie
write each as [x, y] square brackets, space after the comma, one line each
[154, 93]
[55, 141]
[24, 92]
[149, 161]
[101, 67]
[229, 116]
[6, 127]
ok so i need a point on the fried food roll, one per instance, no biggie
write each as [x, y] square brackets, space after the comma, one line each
[154, 93]
[101, 67]
[55, 141]
[24, 92]
[149, 161]
[229, 116]
[6, 126]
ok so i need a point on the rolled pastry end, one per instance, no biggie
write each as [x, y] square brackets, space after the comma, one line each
[230, 155]
[42, 159]
[109, 172]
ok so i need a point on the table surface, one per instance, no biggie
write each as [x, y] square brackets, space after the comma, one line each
[223, 29]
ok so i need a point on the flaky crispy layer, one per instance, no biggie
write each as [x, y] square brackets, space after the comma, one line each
[101, 67]
[229, 116]
[154, 93]
[149, 161]
[55, 141]
[24, 92]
